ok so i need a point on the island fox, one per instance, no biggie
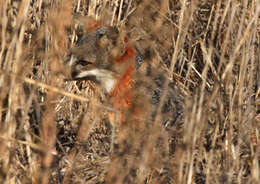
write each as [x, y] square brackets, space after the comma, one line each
[133, 88]
[110, 60]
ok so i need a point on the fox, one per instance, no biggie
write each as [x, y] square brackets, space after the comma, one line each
[105, 56]
[109, 59]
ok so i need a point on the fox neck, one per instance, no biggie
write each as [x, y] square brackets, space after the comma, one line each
[122, 92]
[118, 84]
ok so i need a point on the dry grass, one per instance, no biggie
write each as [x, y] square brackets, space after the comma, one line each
[53, 131]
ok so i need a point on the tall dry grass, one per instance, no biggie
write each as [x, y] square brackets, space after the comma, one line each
[56, 132]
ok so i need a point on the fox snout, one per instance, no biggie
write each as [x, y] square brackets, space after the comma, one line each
[87, 71]
[103, 77]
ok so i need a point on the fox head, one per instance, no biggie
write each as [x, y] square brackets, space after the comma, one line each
[102, 56]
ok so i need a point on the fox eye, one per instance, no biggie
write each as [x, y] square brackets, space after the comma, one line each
[79, 66]
[83, 62]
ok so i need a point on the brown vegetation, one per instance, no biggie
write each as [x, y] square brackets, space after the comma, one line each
[199, 124]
